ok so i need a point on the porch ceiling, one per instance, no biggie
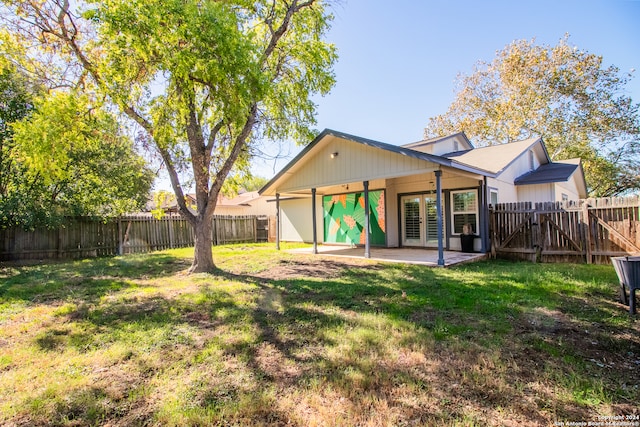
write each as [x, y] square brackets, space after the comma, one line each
[347, 187]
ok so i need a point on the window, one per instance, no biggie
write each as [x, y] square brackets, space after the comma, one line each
[565, 198]
[464, 207]
[532, 162]
[493, 197]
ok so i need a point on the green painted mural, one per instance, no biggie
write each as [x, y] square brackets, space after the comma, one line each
[344, 218]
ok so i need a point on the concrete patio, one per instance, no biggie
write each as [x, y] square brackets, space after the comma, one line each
[420, 256]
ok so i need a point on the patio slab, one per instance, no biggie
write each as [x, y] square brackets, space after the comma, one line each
[397, 255]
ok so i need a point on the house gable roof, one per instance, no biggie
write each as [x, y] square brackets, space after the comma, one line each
[559, 171]
[431, 145]
[325, 135]
[497, 158]
[485, 161]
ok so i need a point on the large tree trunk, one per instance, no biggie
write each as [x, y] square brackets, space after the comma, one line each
[202, 256]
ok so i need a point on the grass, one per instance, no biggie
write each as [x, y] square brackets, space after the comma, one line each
[272, 338]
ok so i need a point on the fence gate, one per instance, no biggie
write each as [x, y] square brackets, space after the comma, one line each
[591, 230]
[614, 228]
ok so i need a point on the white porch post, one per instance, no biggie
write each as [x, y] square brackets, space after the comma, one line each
[278, 221]
[367, 245]
[313, 216]
[439, 213]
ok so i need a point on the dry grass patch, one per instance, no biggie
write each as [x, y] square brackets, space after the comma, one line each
[273, 339]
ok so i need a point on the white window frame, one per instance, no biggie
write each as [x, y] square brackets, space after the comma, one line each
[532, 161]
[493, 191]
[475, 212]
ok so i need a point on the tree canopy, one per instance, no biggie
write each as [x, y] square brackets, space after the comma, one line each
[238, 182]
[561, 93]
[205, 81]
[62, 157]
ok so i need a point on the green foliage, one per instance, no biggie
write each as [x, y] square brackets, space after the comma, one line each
[206, 82]
[61, 156]
[210, 61]
[79, 152]
[561, 93]
[161, 200]
[240, 181]
[23, 197]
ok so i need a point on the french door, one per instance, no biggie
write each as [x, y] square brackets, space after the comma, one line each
[419, 220]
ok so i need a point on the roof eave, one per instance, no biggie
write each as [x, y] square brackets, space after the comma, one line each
[535, 141]
[435, 140]
[442, 161]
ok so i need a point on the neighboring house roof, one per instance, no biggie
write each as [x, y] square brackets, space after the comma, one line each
[497, 158]
[238, 201]
[551, 172]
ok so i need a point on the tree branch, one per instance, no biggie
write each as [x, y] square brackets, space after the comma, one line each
[213, 135]
[276, 35]
[177, 187]
[231, 159]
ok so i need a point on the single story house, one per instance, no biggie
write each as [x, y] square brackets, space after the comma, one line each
[425, 194]
[245, 203]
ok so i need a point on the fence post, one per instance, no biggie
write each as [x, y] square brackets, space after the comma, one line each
[214, 231]
[59, 243]
[171, 232]
[493, 233]
[537, 236]
[120, 249]
[586, 224]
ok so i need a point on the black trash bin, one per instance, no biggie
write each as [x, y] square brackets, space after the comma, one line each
[466, 241]
[628, 271]
[467, 237]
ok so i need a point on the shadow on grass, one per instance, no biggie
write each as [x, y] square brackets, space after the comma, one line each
[488, 343]
[470, 326]
[85, 280]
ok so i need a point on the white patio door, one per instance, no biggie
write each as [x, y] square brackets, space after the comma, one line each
[412, 234]
[419, 220]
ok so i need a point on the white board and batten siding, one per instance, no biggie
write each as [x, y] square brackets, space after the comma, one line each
[554, 192]
[535, 193]
[354, 162]
[295, 220]
[568, 189]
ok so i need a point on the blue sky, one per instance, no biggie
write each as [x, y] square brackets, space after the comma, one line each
[399, 59]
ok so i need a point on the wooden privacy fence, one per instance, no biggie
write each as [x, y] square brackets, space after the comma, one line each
[590, 230]
[87, 237]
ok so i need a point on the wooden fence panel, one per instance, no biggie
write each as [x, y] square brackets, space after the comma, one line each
[262, 229]
[513, 229]
[616, 226]
[86, 237]
[234, 229]
[590, 230]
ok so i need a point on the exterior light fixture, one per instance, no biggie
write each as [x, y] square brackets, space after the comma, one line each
[334, 155]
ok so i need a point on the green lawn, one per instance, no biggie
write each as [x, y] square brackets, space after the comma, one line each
[279, 339]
